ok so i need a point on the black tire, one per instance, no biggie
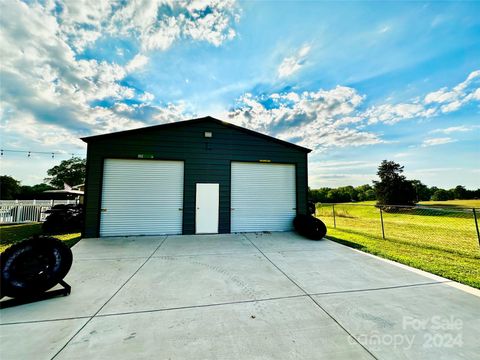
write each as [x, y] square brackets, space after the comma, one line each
[318, 229]
[64, 219]
[310, 227]
[33, 266]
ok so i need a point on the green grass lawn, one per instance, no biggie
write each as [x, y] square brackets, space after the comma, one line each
[441, 242]
[11, 234]
[453, 203]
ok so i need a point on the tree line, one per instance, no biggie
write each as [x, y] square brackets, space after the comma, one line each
[71, 172]
[393, 188]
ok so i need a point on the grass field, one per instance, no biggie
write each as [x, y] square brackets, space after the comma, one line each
[441, 242]
[454, 203]
[11, 234]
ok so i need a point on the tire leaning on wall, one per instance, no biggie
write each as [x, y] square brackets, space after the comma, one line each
[33, 266]
[310, 227]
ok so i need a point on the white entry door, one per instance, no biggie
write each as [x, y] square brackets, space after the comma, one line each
[206, 215]
[141, 197]
[263, 197]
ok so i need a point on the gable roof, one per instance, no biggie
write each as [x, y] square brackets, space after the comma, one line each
[210, 119]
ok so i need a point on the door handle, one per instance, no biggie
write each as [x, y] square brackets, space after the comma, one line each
[180, 209]
[103, 210]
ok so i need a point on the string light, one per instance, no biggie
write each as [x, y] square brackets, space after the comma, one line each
[30, 152]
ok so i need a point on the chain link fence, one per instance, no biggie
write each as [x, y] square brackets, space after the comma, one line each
[440, 228]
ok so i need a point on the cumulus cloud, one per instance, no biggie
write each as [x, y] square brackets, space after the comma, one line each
[292, 64]
[51, 95]
[138, 62]
[157, 24]
[452, 99]
[392, 113]
[437, 141]
[312, 119]
[434, 103]
[50, 91]
[337, 117]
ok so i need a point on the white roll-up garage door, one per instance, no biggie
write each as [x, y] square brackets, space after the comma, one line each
[263, 197]
[141, 197]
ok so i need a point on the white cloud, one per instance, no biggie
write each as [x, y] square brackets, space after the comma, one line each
[334, 118]
[453, 99]
[146, 97]
[401, 155]
[292, 64]
[138, 62]
[437, 141]
[435, 103]
[312, 119]
[159, 23]
[51, 95]
[440, 96]
[473, 96]
[453, 129]
[321, 166]
[390, 114]
[336, 179]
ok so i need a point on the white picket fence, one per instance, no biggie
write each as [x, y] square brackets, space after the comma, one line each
[18, 211]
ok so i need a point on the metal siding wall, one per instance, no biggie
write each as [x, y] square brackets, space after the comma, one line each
[202, 164]
[263, 197]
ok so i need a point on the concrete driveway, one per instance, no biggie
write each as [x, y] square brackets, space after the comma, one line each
[243, 296]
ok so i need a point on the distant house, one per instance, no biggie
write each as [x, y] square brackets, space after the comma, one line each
[79, 187]
[68, 193]
[197, 176]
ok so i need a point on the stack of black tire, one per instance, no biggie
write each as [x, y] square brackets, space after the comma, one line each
[310, 227]
[64, 219]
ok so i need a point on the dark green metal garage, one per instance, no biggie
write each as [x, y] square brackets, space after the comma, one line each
[196, 176]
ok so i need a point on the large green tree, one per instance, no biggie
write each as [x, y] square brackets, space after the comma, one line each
[440, 195]
[342, 194]
[422, 191]
[460, 192]
[34, 192]
[71, 172]
[393, 188]
[9, 188]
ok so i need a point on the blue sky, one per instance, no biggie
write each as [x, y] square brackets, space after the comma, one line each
[357, 82]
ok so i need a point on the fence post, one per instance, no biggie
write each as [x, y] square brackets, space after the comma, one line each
[476, 225]
[19, 213]
[334, 220]
[381, 220]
